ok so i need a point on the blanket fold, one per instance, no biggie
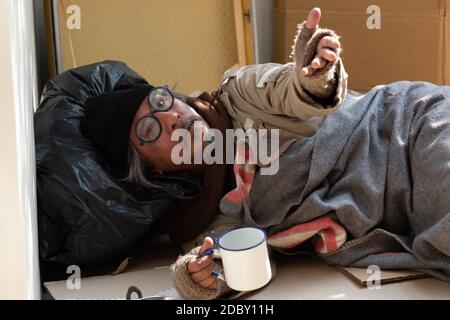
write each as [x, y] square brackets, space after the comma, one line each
[380, 166]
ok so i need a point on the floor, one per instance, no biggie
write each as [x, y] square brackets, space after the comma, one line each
[297, 278]
[301, 278]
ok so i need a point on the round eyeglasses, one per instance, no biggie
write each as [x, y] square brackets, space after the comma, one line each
[148, 128]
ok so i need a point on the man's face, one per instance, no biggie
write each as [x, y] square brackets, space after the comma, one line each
[180, 116]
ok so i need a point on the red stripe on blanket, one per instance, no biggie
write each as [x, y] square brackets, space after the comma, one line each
[319, 245]
[328, 234]
[246, 176]
[329, 237]
[237, 195]
[318, 224]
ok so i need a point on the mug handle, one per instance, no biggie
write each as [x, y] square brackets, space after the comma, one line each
[216, 254]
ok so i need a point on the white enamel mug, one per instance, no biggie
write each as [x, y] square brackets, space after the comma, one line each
[245, 258]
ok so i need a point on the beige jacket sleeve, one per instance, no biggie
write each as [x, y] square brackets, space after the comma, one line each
[282, 90]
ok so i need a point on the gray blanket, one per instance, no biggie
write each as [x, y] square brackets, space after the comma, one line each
[381, 166]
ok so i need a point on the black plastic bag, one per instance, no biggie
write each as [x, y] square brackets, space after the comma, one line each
[87, 216]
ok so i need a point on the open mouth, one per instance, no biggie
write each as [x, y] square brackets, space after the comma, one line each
[190, 126]
[189, 123]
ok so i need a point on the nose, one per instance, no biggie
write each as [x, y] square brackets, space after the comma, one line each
[168, 119]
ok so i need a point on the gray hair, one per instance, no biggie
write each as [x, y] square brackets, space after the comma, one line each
[137, 166]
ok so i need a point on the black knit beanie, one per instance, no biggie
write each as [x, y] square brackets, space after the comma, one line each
[108, 120]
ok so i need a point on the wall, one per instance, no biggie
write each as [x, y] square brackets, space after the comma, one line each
[184, 43]
[263, 19]
[19, 269]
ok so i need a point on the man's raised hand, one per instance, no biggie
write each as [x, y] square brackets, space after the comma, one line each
[327, 50]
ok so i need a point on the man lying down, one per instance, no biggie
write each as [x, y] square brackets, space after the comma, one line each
[363, 179]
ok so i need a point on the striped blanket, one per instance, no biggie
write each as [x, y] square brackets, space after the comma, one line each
[376, 170]
[326, 234]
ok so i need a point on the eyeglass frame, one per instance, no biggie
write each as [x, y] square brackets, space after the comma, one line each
[151, 115]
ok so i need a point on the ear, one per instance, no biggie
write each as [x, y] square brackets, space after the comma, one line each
[205, 96]
[195, 102]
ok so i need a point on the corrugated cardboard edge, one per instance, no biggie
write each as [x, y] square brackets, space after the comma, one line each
[51, 293]
[284, 32]
[446, 42]
[361, 277]
[122, 266]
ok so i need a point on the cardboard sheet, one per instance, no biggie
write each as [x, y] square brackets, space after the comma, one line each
[297, 277]
[412, 41]
[150, 281]
[362, 278]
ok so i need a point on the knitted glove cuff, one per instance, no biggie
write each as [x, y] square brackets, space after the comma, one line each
[187, 288]
[323, 82]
